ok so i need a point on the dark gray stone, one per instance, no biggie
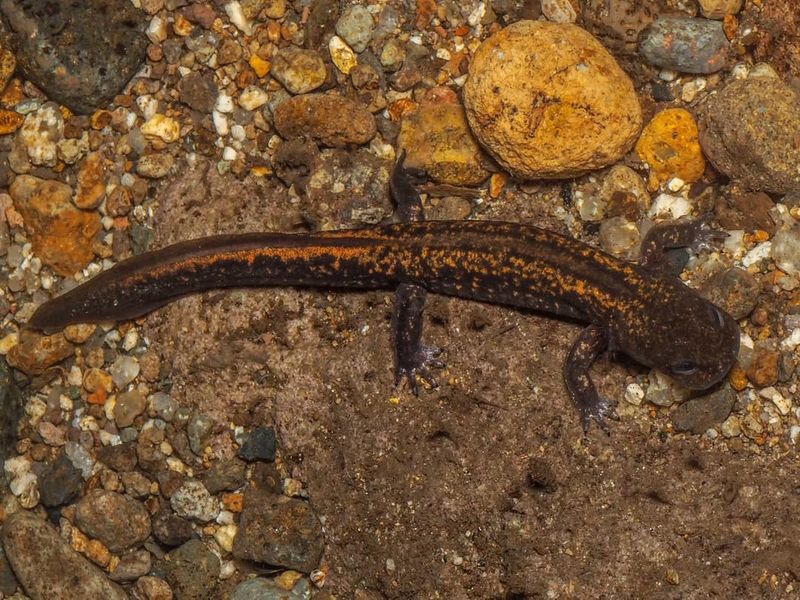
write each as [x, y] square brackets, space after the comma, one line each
[60, 482]
[259, 444]
[170, 529]
[685, 44]
[80, 53]
[699, 414]
[225, 475]
[10, 412]
[280, 531]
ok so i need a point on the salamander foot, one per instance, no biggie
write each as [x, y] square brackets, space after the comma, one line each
[598, 411]
[419, 364]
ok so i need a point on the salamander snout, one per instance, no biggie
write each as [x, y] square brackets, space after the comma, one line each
[705, 347]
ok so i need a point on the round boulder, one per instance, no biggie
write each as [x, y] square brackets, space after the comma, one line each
[547, 100]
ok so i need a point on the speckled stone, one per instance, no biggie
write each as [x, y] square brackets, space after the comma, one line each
[170, 529]
[80, 54]
[749, 131]
[47, 567]
[199, 91]
[735, 290]
[280, 531]
[192, 571]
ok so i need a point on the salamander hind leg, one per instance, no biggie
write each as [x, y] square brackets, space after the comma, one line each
[592, 342]
[412, 358]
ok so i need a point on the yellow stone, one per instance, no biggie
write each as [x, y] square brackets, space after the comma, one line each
[8, 342]
[342, 55]
[259, 65]
[669, 144]
[10, 121]
[438, 139]
[161, 127]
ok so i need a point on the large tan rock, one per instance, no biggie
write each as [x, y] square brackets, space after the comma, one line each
[547, 100]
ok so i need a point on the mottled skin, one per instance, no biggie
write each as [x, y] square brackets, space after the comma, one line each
[651, 316]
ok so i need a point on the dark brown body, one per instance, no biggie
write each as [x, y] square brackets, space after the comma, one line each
[654, 318]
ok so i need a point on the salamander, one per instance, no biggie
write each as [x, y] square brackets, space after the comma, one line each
[638, 309]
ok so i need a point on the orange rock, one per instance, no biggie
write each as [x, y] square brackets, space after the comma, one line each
[13, 94]
[101, 119]
[763, 370]
[10, 121]
[233, 502]
[7, 65]
[737, 378]
[497, 183]
[91, 186]
[98, 397]
[62, 235]
[670, 145]
[97, 379]
[259, 65]
[400, 108]
[547, 100]
[35, 352]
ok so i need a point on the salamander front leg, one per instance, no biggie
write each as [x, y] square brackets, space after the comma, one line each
[697, 235]
[591, 343]
[412, 357]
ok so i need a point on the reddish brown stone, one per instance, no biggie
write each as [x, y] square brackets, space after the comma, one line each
[35, 352]
[62, 235]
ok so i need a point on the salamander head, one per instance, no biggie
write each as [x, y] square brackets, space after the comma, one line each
[684, 336]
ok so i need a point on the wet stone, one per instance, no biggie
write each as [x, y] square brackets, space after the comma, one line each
[124, 370]
[764, 367]
[10, 411]
[260, 588]
[121, 457]
[132, 566]
[136, 484]
[8, 581]
[279, 531]
[749, 131]
[700, 414]
[36, 353]
[198, 91]
[300, 71]
[65, 50]
[786, 249]
[259, 444]
[170, 529]
[355, 26]
[152, 588]
[59, 483]
[129, 406]
[192, 571]
[686, 45]
[734, 290]
[114, 519]
[47, 567]
[225, 475]
[199, 429]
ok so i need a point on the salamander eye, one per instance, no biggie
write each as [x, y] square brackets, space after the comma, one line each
[683, 367]
[718, 315]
